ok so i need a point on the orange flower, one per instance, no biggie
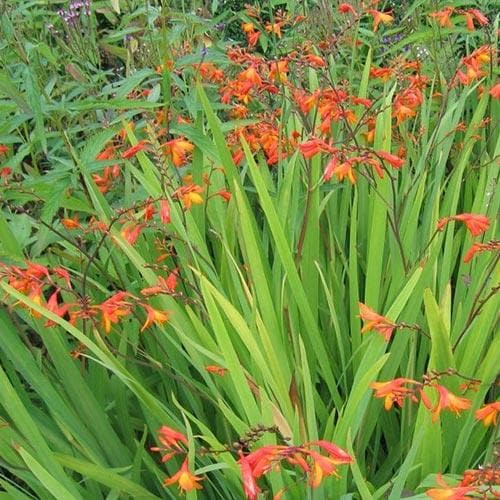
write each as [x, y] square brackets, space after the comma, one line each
[279, 70]
[189, 195]
[330, 169]
[248, 27]
[393, 160]
[447, 492]
[253, 38]
[154, 316]
[443, 17]
[488, 413]
[469, 21]
[70, 223]
[476, 223]
[164, 285]
[343, 170]
[224, 194]
[495, 91]
[131, 232]
[274, 28]
[379, 17]
[481, 247]
[478, 16]
[314, 60]
[251, 76]
[113, 309]
[383, 73]
[165, 211]
[53, 306]
[171, 438]
[132, 151]
[3, 149]
[216, 369]
[374, 321]
[250, 487]
[186, 480]
[393, 391]
[178, 149]
[314, 146]
[446, 400]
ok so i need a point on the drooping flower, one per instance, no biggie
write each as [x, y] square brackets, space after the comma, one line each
[346, 8]
[481, 247]
[446, 401]
[70, 224]
[216, 369]
[154, 316]
[170, 438]
[132, 151]
[476, 223]
[165, 211]
[131, 232]
[56, 308]
[314, 146]
[495, 91]
[187, 480]
[447, 492]
[443, 17]
[488, 413]
[393, 160]
[374, 321]
[393, 391]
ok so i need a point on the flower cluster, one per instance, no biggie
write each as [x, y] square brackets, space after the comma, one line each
[434, 396]
[483, 481]
[316, 459]
[37, 281]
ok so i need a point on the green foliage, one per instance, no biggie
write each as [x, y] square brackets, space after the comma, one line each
[268, 281]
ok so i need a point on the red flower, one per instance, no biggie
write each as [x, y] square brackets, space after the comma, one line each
[476, 223]
[250, 487]
[53, 306]
[187, 481]
[165, 212]
[374, 321]
[132, 151]
[395, 161]
[5, 172]
[443, 17]
[314, 146]
[131, 232]
[171, 438]
[216, 369]
[346, 8]
[495, 91]
[481, 247]
[478, 16]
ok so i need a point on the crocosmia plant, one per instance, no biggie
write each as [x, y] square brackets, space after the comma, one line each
[249, 250]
